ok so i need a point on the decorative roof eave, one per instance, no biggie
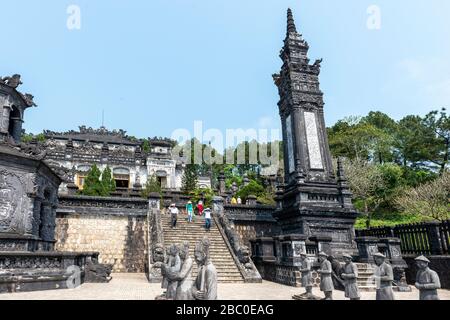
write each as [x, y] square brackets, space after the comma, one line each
[24, 100]
[101, 135]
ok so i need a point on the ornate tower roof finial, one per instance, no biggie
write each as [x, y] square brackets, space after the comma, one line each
[290, 22]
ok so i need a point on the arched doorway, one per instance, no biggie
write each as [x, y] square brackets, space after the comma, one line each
[15, 123]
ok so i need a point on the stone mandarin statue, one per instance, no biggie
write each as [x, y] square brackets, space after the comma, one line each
[173, 265]
[384, 276]
[326, 282]
[350, 276]
[427, 280]
[183, 277]
[307, 280]
[205, 286]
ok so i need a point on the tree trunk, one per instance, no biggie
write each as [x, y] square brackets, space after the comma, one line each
[367, 213]
[446, 156]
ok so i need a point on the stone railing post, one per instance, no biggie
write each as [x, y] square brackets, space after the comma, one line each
[323, 243]
[218, 203]
[291, 248]
[155, 239]
[252, 200]
[367, 247]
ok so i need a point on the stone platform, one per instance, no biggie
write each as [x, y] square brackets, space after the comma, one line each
[36, 271]
[134, 286]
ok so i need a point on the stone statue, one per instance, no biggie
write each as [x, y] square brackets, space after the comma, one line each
[350, 276]
[326, 283]
[205, 286]
[317, 63]
[338, 283]
[307, 280]
[13, 81]
[29, 99]
[184, 275]
[427, 280]
[97, 273]
[173, 265]
[384, 276]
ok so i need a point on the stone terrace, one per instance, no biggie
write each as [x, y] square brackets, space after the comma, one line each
[135, 287]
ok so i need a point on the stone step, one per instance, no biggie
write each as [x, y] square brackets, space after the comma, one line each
[194, 232]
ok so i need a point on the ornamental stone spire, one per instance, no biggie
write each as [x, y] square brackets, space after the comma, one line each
[290, 22]
[313, 202]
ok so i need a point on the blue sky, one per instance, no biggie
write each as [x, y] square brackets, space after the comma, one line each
[155, 66]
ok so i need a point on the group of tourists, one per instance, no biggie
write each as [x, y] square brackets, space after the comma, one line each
[235, 200]
[201, 211]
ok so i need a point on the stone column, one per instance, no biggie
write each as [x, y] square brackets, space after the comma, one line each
[154, 201]
[217, 205]
[221, 179]
[252, 200]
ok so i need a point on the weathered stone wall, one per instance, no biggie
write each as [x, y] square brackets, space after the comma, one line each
[116, 228]
[248, 230]
[252, 221]
[440, 264]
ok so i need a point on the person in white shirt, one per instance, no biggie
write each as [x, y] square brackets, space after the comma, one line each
[173, 210]
[207, 213]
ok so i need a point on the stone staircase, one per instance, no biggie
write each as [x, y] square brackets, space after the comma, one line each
[193, 232]
[365, 280]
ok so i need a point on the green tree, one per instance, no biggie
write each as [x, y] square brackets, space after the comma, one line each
[28, 137]
[204, 194]
[92, 184]
[107, 181]
[252, 189]
[413, 142]
[189, 179]
[151, 186]
[439, 145]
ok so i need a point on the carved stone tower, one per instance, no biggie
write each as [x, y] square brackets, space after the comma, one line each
[313, 202]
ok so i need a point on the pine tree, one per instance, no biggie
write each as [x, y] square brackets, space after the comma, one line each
[190, 178]
[92, 185]
[108, 183]
[152, 185]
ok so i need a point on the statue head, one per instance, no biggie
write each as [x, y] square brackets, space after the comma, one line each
[184, 250]
[201, 252]
[174, 250]
[422, 262]
[379, 258]
[347, 258]
[322, 257]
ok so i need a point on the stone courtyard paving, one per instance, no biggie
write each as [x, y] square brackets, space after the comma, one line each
[135, 287]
